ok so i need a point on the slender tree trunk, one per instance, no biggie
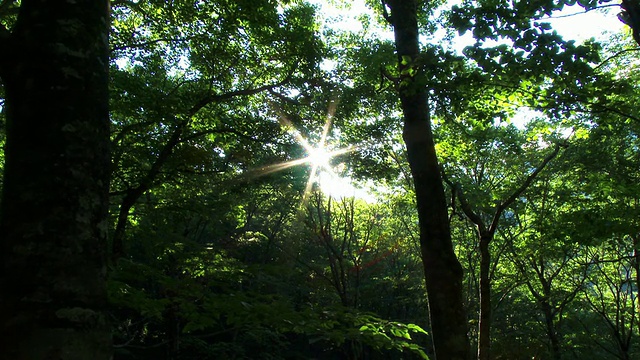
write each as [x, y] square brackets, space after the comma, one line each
[485, 237]
[172, 325]
[551, 330]
[53, 66]
[484, 326]
[636, 268]
[443, 272]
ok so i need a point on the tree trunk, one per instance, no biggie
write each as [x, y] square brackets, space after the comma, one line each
[551, 329]
[443, 272]
[630, 15]
[53, 215]
[485, 237]
[484, 327]
[636, 268]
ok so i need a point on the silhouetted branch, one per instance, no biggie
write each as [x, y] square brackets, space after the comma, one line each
[615, 56]
[581, 12]
[508, 201]
[151, 42]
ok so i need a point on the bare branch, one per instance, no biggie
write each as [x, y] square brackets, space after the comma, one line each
[508, 201]
[580, 12]
[151, 42]
[244, 92]
[615, 56]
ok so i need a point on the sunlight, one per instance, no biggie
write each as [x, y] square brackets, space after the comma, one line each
[319, 157]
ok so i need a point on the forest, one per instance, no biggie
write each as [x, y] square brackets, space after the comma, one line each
[264, 179]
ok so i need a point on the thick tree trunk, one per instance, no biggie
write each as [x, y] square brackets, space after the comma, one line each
[443, 272]
[53, 66]
[630, 15]
[484, 327]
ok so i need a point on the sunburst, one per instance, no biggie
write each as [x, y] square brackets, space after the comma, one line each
[319, 155]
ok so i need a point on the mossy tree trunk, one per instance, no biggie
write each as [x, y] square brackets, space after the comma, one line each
[54, 69]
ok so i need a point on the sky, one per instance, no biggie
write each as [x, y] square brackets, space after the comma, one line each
[572, 23]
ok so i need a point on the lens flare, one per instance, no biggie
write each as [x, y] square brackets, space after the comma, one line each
[319, 155]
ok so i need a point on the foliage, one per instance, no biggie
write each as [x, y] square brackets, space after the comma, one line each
[222, 257]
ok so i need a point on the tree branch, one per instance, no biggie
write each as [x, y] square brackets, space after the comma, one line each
[475, 218]
[468, 211]
[508, 201]
[151, 42]
[244, 92]
[579, 12]
[465, 206]
[284, 98]
[198, 134]
[535, 93]
[615, 56]
[123, 2]
[132, 195]
[124, 130]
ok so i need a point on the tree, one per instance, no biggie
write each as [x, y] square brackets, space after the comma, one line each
[216, 257]
[194, 84]
[443, 272]
[486, 227]
[56, 177]
[611, 293]
[551, 269]
[630, 15]
[213, 235]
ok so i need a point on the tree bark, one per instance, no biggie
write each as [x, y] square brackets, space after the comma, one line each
[54, 68]
[552, 334]
[484, 326]
[636, 267]
[443, 272]
[630, 15]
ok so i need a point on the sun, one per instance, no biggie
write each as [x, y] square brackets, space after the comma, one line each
[318, 156]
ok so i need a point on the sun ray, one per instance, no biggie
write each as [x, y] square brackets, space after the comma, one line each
[318, 155]
[266, 170]
[327, 124]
